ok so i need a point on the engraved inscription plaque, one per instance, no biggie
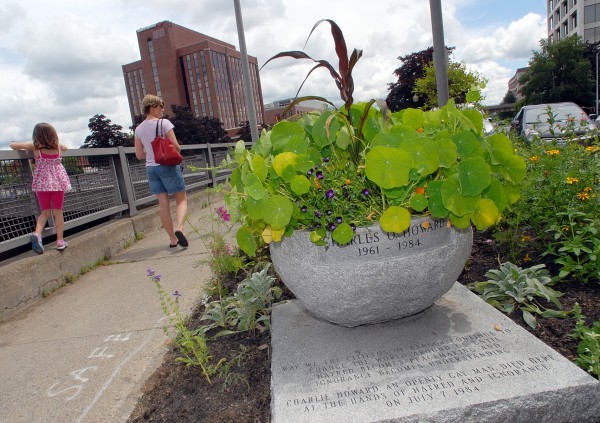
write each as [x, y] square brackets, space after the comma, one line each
[461, 360]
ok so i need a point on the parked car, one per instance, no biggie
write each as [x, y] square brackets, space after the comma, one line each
[553, 122]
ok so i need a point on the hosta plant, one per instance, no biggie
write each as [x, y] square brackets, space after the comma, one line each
[329, 172]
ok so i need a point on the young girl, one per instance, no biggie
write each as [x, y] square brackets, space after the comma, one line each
[50, 181]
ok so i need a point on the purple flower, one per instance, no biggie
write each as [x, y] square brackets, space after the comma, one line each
[366, 192]
[326, 159]
[157, 277]
[318, 225]
[317, 213]
[332, 226]
[150, 272]
[303, 209]
[310, 172]
[320, 175]
[330, 194]
[329, 212]
[338, 220]
[223, 214]
[176, 294]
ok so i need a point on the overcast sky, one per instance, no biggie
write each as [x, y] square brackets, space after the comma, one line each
[60, 61]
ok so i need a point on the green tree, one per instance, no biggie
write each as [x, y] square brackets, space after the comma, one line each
[402, 91]
[560, 71]
[460, 82]
[105, 134]
[191, 129]
[510, 97]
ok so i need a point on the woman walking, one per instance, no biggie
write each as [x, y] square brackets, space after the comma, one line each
[50, 181]
[164, 180]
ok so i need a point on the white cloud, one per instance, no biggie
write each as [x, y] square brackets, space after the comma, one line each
[61, 61]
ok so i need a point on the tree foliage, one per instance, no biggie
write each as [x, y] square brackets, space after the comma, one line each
[509, 97]
[402, 91]
[191, 129]
[460, 82]
[560, 71]
[105, 134]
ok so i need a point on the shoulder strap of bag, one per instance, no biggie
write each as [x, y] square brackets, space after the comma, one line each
[156, 135]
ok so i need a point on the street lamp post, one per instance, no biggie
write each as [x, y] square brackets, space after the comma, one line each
[596, 108]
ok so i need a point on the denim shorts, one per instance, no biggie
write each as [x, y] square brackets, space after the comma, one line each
[165, 179]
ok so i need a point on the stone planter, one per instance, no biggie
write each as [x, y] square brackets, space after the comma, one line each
[377, 277]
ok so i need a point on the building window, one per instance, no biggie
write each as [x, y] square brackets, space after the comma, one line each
[154, 68]
[574, 20]
[565, 28]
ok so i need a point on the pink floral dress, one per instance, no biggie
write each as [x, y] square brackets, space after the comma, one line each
[49, 174]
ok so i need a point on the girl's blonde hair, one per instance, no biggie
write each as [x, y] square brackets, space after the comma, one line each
[45, 136]
[150, 101]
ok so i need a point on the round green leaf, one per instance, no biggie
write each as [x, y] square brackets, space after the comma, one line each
[485, 215]
[343, 138]
[413, 118]
[461, 222]
[447, 152]
[454, 201]
[386, 140]
[473, 175]
[388, 167]
[278, 211]
[283, 160]
[395, 219]
[246, 241]
[285, 132]
[343, 234]
[418, 202]
[513, 193]
[467, 144]
[259, 167]
[435, 204]
[254, 208]
[300, 185]
[497, 194]
[476, 119]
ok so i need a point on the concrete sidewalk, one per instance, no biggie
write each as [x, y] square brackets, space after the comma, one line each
[83, 353]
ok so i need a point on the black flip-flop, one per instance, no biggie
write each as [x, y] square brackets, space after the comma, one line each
[181, 238]
[174, 245]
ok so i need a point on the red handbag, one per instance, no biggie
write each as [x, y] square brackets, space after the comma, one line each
[165, 152]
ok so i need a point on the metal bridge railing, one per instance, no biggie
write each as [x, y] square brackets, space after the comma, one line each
[104, 182]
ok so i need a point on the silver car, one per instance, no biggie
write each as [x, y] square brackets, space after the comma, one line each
[554, 122]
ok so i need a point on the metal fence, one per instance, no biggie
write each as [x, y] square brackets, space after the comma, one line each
[104, 182]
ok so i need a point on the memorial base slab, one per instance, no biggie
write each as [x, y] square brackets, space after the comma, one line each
[458, 361]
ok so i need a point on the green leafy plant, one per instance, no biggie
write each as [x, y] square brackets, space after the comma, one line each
[191, 344]
[249, 309]
[511, 287]
[588, 349]
[577, 246]
[332, 171]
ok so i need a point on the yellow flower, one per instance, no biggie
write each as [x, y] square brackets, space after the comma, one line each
[583, 196]
[526, 258]
[592, 148]
[317, 183]
[347, 181]
[571, 181]
[587, 189]
[553, 152]
[566, 228]
[525, 238]
[534, 158]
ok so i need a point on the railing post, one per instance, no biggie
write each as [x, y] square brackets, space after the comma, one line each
[125, 182]
[211, 165]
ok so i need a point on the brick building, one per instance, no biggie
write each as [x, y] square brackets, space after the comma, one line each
[185, 67]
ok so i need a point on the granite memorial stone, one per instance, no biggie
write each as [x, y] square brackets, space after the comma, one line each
[378, 276]
[459, 361]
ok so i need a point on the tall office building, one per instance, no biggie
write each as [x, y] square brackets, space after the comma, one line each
[567, 17]
[185, 67]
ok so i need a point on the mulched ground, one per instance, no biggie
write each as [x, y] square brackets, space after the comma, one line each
[175, 393]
